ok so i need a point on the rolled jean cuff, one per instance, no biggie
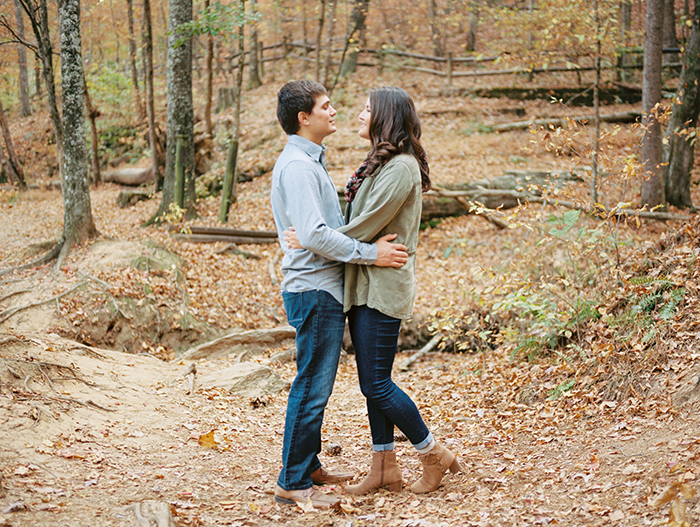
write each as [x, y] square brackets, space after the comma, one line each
[383, 448]
[425, 442]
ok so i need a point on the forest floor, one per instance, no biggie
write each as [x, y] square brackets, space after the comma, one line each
[96, 415]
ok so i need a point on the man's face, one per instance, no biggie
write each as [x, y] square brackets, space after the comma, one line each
[320, 123]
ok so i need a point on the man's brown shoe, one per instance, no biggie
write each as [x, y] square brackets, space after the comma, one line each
[321, 477]
[318, 499]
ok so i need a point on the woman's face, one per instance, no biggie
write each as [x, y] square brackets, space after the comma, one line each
[365, 117]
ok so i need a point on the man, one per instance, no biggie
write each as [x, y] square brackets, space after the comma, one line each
[304, 196]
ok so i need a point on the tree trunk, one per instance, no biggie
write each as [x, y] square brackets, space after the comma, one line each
[132, 62]
[434, 31]
[229, 194]
[25, 108]
[78, 224]
[37, 75]
[669, 32]
[92, 114]
[319, 34]
[6, 167]
[473, 26]
[679, 150]
[329, 43]
[147, 36]
[356, 26]
[653, 188]
[254, 67]
[39, 17]
[180, 109]
[210, 79]
[13, 160]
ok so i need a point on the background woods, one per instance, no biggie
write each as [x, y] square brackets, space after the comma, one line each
[144, 351]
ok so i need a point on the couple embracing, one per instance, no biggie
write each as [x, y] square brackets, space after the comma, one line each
[337, 266]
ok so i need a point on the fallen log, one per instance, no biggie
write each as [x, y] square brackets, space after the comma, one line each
[223, 231]
[561, 122]
[130, 176]
[127, 198]
[213, 238]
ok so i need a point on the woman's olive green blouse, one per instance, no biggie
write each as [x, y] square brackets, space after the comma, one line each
[388, 202]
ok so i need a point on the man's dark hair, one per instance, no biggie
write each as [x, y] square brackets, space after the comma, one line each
[295, 97]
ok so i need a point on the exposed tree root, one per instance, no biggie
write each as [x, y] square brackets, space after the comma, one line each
[48, 257]
[10, 312]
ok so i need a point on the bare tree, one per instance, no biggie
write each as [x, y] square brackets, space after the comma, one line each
[180, 109]
[38, 15]
[229, 194]
[434, 20]
[254, 51]
[210, 78]
[329, 44]
[653, 187]
[147, 36]
[670, 40]
[78, 222]
[25, 107]
[473, 25]
[15, 168]
[353, 37]
[132, 61]
[680, 137]
[319, 35]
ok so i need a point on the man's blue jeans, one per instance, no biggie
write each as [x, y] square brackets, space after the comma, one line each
[319, 320]
[375, 337]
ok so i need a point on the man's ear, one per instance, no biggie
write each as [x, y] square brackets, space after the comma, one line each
[303, 118]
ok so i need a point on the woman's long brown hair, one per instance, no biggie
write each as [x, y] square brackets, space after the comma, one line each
[394, 128]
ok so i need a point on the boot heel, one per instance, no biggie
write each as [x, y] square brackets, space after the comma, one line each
[396, 486]
[455, 467]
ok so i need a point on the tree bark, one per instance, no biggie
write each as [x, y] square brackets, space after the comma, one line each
[25, 108]
[132, 62]
[670, 40]
[254, 67]
[356, 26]
[229, 194]
[147, 35]
[12, 160]
[78, 224]
[180, 109]
[329, 44]
[680, 137]
[473, 26]
[38, 15]
[319, 35]
[653, 187]
[434, 31]
[210, 79]
[92, 115]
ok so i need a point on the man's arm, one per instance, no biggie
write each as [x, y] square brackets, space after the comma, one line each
[302, 193]
[388, 254]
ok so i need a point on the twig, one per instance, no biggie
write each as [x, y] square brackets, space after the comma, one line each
[87, 403]
[47, 378]
[423, 351]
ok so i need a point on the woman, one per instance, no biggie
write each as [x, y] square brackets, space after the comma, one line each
[384, 196]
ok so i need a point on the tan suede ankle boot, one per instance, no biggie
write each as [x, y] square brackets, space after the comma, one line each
[436, 463]
[385, 471]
